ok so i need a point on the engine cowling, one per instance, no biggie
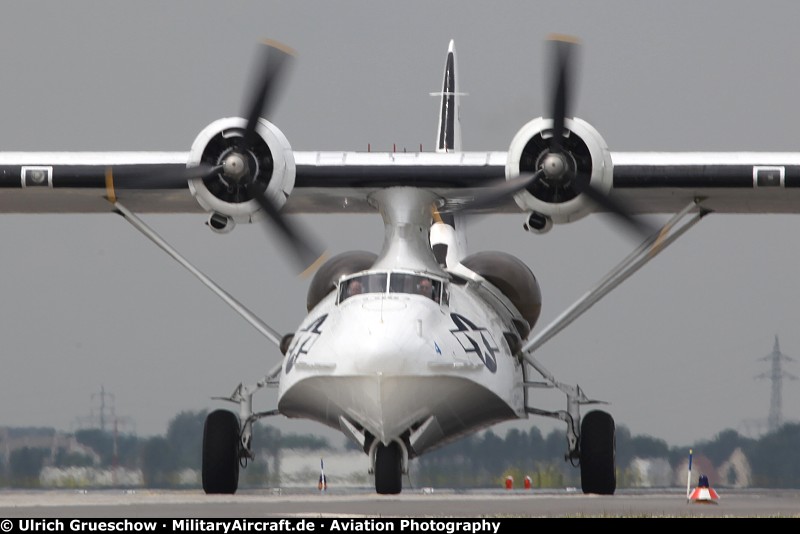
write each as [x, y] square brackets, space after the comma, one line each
[514, 279]
[269, 161]
[587, 158]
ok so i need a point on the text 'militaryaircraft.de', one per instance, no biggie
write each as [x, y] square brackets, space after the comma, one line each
[421, 343]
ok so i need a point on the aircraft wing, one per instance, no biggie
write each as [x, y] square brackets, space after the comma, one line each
[83, 182]
[735, 182]
[340, 182]
[324, 182]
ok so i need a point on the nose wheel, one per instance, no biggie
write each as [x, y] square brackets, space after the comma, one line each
[388, 469]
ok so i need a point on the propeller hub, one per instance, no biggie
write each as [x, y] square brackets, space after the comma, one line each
[234, 166]
[554, 166]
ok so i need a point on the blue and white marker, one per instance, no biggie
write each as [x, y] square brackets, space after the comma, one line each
[323, 481]
[689, 477]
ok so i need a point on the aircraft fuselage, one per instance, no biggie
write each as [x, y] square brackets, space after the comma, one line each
[402, 366]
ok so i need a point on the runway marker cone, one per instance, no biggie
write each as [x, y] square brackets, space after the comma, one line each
[703, 493]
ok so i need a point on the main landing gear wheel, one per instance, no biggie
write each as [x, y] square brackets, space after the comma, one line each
[221, 452]
[598, 443]
[388, 469]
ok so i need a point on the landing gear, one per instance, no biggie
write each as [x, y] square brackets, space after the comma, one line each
[221, 452]
[597, 453]
[593, 445]
[388, 469]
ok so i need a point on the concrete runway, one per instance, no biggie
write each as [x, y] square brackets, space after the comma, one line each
[411, 503]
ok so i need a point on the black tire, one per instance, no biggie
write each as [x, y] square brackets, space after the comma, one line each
[598, 453]
[221, 452]
[389, 469]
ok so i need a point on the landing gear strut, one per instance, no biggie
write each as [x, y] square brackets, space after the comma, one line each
[227, 442]
[593, 444]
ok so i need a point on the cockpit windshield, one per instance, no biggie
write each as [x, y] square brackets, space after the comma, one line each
[407, 283]
[415, 285]
[368, 283]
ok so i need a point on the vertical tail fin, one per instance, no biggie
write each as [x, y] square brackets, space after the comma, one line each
[449, 134]
[447, 234]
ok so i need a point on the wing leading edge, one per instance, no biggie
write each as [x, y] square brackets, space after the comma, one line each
[340, 182]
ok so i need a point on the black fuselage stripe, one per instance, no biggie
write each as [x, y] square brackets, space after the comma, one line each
[94, 176]
[445, 176]
[10, 177]
[792, 176]
[683, 176]
[382, 176]
[356, 176]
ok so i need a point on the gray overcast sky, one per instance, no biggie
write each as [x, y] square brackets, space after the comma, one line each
[87, 301]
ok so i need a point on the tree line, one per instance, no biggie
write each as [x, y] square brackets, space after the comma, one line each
[479, 460]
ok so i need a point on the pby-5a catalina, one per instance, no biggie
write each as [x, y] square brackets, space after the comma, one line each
[411, 347]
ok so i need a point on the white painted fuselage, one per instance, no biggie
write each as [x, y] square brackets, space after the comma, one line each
[401, 366]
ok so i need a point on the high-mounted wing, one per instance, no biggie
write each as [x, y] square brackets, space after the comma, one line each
[239, 169]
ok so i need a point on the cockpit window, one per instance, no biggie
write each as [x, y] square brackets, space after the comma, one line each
[368, 283]
[407, 283]
[415, 284]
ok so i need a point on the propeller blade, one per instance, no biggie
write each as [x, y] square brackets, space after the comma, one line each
[484, 197]
[616, 208]
[562, 52]
[274, 58]
[307, 253]
[273, 61]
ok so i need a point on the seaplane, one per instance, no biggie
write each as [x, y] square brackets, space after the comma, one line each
[413, 346]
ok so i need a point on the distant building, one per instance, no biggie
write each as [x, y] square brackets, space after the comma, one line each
[651, 472]
[12, 439]
[89, 477]
[343, 469]
[735, 472]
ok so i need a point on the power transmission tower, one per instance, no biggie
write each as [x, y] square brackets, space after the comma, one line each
[106, 418]
[103, 408]
[776, 375]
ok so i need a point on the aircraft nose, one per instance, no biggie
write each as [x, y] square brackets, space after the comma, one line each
[389, 338]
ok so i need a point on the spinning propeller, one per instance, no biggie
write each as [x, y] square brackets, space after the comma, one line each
[242, 168]
[274, 59]
[554, 167]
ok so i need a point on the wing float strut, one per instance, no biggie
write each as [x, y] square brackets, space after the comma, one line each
[237, 306]
[649, 249]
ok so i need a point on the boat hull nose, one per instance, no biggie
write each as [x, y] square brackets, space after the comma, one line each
[392, 407]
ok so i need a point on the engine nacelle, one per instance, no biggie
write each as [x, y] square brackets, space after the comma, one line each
[514, 279]
[269, 160]
[587, 158]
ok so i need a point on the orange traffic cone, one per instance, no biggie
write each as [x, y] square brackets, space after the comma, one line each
[703, 493]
